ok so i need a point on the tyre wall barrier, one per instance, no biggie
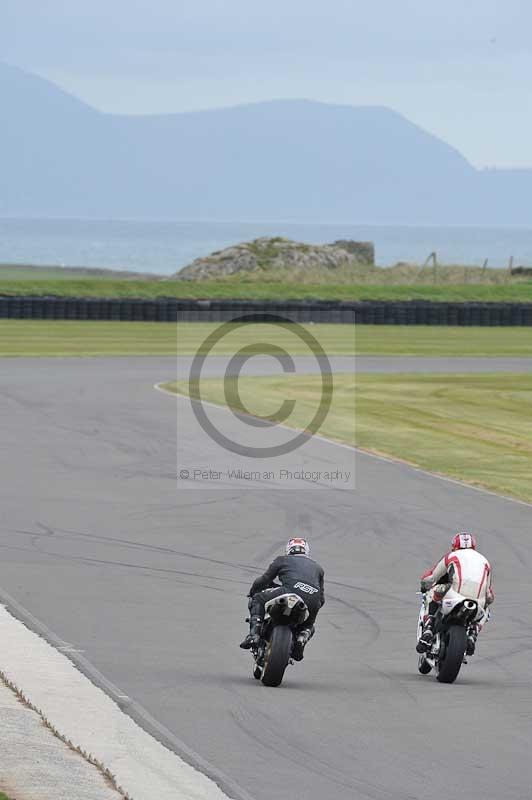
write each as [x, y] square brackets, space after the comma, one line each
[415, 312]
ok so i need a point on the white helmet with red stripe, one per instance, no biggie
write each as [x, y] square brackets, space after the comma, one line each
[297, 547]
[464, 541]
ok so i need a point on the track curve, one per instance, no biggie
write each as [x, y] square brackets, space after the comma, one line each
[149, 583]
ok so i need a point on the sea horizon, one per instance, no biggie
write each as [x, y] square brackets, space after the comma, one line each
[164, 246]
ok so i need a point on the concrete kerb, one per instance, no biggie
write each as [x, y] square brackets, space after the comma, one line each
[182, 773]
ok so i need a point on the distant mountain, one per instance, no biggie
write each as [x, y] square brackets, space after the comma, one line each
[280, 160]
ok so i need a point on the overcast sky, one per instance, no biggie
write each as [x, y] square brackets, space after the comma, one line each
[462, 69]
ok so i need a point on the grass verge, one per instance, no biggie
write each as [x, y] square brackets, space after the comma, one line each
[70, 338]
[514, 290]
[66, 338]
[475, 428]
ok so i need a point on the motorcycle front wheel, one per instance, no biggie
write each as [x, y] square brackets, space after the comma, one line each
[277, 656]
[453, 655]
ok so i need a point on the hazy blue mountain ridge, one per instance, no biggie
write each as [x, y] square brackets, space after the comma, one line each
[284, 159]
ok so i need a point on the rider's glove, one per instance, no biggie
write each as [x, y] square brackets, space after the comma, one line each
[424, 587]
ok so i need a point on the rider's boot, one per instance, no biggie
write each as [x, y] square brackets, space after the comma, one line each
[253, 637]
[300, 642]
[425, 640]
[471, 641]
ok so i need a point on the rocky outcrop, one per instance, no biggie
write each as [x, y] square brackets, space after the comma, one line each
[278, 255]
[364, 252]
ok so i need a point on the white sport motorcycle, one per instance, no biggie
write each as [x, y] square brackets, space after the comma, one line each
[452, 620]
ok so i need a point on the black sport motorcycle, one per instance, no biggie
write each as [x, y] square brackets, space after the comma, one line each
[282, 616]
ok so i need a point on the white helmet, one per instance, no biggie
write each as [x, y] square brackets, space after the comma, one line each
[297, 547]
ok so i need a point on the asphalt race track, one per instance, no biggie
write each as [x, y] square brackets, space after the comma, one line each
[148, 580]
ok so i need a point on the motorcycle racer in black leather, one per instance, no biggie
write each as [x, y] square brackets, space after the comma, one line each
[296, 572]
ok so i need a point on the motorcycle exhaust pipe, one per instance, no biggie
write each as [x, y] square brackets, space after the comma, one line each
[281, 601]
[301, 605]
[470, 605]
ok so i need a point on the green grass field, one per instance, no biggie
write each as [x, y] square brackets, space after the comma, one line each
[475, 428]
[70, 338]
[362, 282]
[66, 286]
[65, 338]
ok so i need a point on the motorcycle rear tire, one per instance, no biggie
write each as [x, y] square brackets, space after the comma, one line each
[277, 656]
[455, 645]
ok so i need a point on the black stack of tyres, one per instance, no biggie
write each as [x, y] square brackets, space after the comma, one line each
[323, 314]
[194, 312]
[506, 315]
[15, 307]
[402, 314]
[160, 311]
[335, 315]
[419, 314]
[432, 315]
[83, 309]
[38, 308]
[367, 314]
[172, 310]
[71, 309]
[48, 308]
[347, 314]
[297, 312]
[114, 310]
[126, 310]
[363, 313]
[474, 315]
[204, 310]
[452, 315]
[485, 316]
[136, 311]
[517, 316]
[460, 314]
[236, 310]
[527, 315]
[184, 313]
[92, 309]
